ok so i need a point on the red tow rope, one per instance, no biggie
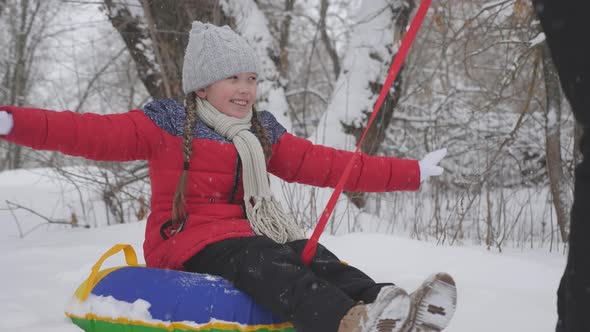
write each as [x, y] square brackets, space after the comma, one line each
[312, 243]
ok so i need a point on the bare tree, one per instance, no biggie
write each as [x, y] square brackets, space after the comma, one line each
[26, 22]
[472, 87]
[156, 39]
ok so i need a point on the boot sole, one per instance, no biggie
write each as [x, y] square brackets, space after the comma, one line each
[392, 315]
[434, 304]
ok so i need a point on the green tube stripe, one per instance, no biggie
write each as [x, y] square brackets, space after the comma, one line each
[91, 325]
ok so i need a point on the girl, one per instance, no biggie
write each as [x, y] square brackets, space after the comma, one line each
[221, 218]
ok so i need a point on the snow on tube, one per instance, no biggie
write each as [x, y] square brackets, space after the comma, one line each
[135, 298]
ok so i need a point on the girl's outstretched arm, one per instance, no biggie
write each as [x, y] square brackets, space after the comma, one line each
[295, 159]
[115, 137]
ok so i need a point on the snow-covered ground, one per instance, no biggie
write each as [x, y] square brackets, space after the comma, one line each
[511, 291]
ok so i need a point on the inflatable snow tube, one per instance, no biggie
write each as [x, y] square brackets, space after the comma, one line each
[134, 298]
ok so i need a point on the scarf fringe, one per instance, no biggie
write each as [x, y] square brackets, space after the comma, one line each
[267, 218]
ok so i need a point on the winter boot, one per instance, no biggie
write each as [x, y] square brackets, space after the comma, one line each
[387, 313]
[433, 304]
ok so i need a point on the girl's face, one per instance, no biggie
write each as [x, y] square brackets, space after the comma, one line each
[233, 96]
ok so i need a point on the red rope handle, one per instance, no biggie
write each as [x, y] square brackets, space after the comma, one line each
[312, 243]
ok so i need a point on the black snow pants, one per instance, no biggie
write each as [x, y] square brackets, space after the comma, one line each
[565, 22]
[313, 298]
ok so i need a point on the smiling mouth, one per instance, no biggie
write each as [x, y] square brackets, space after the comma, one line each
[239, 102]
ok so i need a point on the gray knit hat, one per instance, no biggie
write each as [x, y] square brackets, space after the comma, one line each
[214, 53]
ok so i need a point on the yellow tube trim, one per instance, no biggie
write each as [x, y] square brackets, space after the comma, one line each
[183, 326]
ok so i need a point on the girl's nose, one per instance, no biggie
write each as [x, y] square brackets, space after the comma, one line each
[243, 88]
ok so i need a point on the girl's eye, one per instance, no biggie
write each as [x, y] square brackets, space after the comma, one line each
[253, 78]
[232, 77]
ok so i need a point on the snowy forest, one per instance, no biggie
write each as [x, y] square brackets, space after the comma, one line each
[478, 81]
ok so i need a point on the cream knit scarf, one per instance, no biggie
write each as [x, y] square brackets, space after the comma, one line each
[264, 212]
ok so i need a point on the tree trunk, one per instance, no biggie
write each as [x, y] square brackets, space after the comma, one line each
[283, 65]
[327, 40]
[376, 134]
[553, 142]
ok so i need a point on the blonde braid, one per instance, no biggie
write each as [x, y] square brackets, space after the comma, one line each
[178, 205]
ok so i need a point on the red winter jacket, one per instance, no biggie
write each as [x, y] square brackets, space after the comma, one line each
[154, 134]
